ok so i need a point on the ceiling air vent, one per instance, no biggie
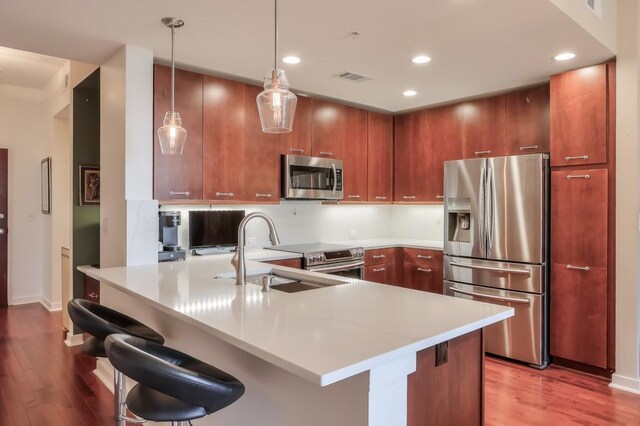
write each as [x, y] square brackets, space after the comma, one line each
[352, 76]
[595, 6]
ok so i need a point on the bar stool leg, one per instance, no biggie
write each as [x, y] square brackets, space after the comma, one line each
[119, 392]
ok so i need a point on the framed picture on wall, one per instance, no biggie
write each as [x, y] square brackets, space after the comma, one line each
[89, 186]
[45, 185]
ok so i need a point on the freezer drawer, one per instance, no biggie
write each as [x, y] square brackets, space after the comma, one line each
[522, 337]
[489, 273]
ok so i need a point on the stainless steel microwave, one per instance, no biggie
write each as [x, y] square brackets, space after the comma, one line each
[311, 178]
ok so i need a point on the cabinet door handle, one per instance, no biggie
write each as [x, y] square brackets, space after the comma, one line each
[424, 270]
[379, 269]
[354, 196]
[409, 197]
[482, 152]
[258, 195]
[187, 193]
[326, 153]
[422, 256]
[379, 256]
[380, 197]
[93, 295]
[578, 268]
[578, 176]
[579, 157]
[298, 150]
[529, 148]
[440, 197]
[226, 194]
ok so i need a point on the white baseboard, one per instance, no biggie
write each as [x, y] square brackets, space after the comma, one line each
[104, 372]
[49, 305]
[627, 384]
[73, 339]
[23, 300]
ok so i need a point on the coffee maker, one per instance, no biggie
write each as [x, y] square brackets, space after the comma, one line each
[168, 248]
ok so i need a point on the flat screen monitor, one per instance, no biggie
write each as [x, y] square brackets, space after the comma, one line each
[214, 228]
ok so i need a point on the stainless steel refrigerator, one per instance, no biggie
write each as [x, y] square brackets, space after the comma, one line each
[496, 247]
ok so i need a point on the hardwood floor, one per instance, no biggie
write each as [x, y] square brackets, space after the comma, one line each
[43, 382]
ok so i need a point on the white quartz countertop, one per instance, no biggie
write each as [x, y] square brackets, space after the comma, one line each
[395, 242]
[323, 335]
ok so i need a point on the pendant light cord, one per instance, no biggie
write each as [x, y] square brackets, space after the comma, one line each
[275, 57]
[173, 72]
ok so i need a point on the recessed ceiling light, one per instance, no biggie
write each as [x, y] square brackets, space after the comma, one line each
[291, 60]
[409, 93]
[421, 59]
[565, 56]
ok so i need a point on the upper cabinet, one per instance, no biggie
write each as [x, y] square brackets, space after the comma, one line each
[579, 117]
[483, 127]
[261, 154]
[328, 128]
[527, 121]
[178, 177]
[380, 158]
[223, 139]
[409, 153]
[298, 141]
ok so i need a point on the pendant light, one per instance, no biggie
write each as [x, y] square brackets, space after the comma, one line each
[276, 104]
[172, 135]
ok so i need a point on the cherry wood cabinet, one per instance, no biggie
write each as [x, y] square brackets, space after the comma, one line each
[423, 256]
[579, 221]
[423, 141]
[422, 277]
[579, 117]
[298, 141]
[483, 127]
[178, 177]
[91, 289]
[291, 263]
[383, 265]
[579, 315]
[379, 256]
[380, 158]
[339, 131]
[527, 121]
[261, 155]
[383, 274]
[223, 143]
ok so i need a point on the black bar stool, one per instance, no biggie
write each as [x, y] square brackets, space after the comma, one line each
[172, 386]
[100, 321]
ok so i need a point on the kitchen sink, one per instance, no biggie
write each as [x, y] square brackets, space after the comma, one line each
[292, 284]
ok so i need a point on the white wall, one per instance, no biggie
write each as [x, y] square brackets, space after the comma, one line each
[26, 133]
[602, 28]
[309, 221]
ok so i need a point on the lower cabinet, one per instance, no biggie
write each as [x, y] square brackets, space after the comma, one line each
[290, 263]
[383, 274]
[422, 277]
[91, 289]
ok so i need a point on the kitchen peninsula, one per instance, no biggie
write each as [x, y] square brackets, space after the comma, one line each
[357, 353]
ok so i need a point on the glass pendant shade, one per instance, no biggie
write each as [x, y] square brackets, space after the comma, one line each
[276, 104]
[172, 135]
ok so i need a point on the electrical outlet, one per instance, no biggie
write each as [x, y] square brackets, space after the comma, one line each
[442, 353]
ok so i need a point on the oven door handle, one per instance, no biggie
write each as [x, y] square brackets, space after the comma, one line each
[336, 268]
[335, 178]
[488, 296]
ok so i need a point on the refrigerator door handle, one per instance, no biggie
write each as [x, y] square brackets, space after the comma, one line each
[490, 208]
[489, 297]
[493, 269]
[481, 201]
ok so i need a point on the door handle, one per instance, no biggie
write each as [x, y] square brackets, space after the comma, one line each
[578, 157]
[335, 178]
[578, 268]
[493, 269]
[529, 148]
[259, 195]
[409, 197]
[439, 197]
[481, 202]
[298, 150]
[422, 256]
[187, 193]
[354, 196]
[477, 153]
[326, 153]
[488, 296]
[379, 256]
[578, 176]
[228, 194]
[380, 197]
[423, 270]
[379, 269]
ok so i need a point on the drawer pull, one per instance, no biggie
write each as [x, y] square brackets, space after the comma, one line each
[354, 196]
[578, 177]
[487, 296]
[379, 256]
[326, 153]
[482, 152]
[409, 197]
[298, 150]
[258, 195]
[93, 295]
[529, 148]
[187, 193]
[578, 268]
[226, 194]
[579, 157]
[379, 269]
[440, 197]
[380, 197]
[422, 256]
[424, 270]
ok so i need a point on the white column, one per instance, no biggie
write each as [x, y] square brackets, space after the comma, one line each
[388, 392]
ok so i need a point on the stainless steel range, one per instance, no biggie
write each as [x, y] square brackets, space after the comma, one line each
[334, 259]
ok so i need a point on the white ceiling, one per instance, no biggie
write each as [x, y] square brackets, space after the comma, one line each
[26, 69]
[477, 46]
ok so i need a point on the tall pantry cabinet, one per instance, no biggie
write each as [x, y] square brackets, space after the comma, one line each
[582, 218]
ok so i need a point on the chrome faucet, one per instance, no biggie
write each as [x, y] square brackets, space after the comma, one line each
[238, 260]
